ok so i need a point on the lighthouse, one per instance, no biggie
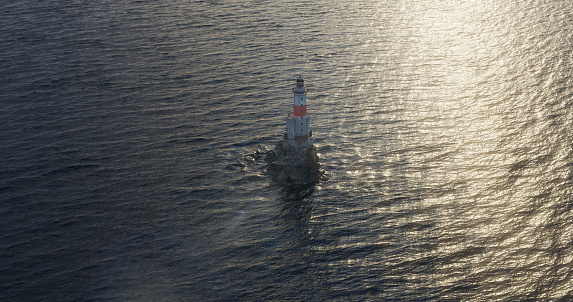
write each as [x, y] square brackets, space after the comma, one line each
[294, 161]
[297, 122]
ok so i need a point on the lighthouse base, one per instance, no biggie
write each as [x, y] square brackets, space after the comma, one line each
[294, 162]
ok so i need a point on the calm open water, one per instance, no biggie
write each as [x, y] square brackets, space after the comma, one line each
[133, 134]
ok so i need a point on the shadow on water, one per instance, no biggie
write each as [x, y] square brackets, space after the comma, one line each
[286, 253]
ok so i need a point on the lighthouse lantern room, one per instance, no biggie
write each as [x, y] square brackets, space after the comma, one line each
[298, 122]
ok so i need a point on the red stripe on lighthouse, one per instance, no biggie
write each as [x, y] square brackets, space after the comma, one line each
[299, 110]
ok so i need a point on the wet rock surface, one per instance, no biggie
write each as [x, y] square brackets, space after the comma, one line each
[294, 164]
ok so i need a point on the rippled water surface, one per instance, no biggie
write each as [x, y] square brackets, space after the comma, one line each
[133, 135]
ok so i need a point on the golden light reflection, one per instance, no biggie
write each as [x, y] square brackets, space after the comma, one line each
[482, 154]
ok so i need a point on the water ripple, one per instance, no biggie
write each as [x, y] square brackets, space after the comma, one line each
[133, 135]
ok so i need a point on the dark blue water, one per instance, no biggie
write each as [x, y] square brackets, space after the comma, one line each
[133, 135]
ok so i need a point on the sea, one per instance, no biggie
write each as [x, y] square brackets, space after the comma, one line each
[133, 137]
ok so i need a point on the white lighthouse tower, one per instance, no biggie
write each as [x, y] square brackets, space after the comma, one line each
[297, 122]
[294, 160]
